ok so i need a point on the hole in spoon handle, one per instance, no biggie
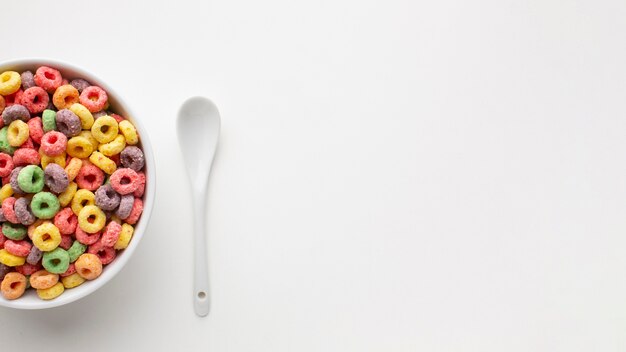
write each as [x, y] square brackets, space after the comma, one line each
[201, 303]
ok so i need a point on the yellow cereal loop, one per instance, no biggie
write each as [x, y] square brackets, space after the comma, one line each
[82, 198]
[72, 281]
[46, 159]
[89, 136]
[66, 196]
[9, 259]
[5, 192]
[105, 164]
[104, 129]
[73, 167]
[129, 132]
[10, 82]
[65, 96]
[17, 133]
[79, 147]
[125, 235]
[85, 116]
[46, 237]
[113, 147]
[91, 219]
[52, 292]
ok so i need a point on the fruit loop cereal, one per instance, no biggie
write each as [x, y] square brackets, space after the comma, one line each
[72, 182]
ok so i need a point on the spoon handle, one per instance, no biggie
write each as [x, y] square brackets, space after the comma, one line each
[201, 272]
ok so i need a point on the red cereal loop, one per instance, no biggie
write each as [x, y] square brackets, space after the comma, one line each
[26, 156]
[18, 248]
[28, 144]
[111, 234]
[35, 99]
[27, 269]
[66, 242]
[53, 143]
[70, 270]
[135, 213]
[6, 165]
[142, 185]
[117, 118]
[106, 254]
[89, 177]
[86, 238]
[7, 209]
[66, 221]
[3, 239]
[124, 181]
[48, 78]
[15, 98]
[93, 98]
[6, 180]
[35, 128]
[116, 159]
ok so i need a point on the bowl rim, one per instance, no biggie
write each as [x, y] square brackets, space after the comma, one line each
[111, 270]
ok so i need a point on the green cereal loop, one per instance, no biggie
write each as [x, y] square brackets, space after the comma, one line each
[15, 232]
[56, 261]
[31, 179]
[45, 205]
[4, 142]
[48, 119]
[76, 250]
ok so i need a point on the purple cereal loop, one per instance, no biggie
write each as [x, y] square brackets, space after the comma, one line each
[13, 180]
[68, 123]
[79, 84]
[132, 158]
[106, 197]
[34, 256]
[28, 80]
[126, 206]
[4, 269]
[56, 178]
[2, 217]
[22, 211]
[15, 112]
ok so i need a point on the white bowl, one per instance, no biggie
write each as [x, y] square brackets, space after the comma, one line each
[118, 105]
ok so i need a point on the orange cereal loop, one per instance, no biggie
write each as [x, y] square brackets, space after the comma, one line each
[42, 279]
[13, 285]
[3, 104]
[65, 96]
[88, 266]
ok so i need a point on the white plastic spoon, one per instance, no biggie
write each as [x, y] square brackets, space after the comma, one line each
[198, 132]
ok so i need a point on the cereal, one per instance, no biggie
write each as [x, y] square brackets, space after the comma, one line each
[56, 261]
[126, 206]
[85, 116]
[13, 180]
[52, 292]
[87, 238]
[126, 234]
[81, 199]
[132, 157]
[53, 143]
[66, 242]
[66, 196]
[4, 269]
[65, 96]
[31, 179]
[72, 281]
[13, 231]
[10, 82]
[46, 237]
[129, 132]
[68, 123]
[89, 137]
[111, 234]
[8, 210]
[104, 129]
[15, 112]
[23, 212]
[49, 120]
[43, 279]
[4, 141]
[18, 248]
[35, 128]
[46, 159]
[66, 221]
[35, 99]
[76, 250]
[9, 259]
[89, 177]
[56, 178]
[6, 164]
[142, 185]
[27, 269]
[88, 266]
[101, 161]
[17, 133]
[73, 167]
[114, 147]
[48, 78]
[71, 269]
[28, 80]
[124, 181]
[107, 198]
[105, 254]
[45, 205]
[91, 219]
[93, 98]
[3, 104]
[80, 84]
[13, 285]
[35, 254]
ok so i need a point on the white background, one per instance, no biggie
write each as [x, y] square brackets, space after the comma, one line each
[392, 175]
